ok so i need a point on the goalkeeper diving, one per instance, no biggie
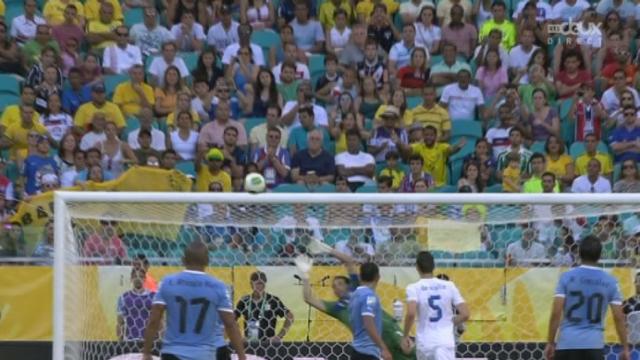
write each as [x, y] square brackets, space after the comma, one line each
[342, 287]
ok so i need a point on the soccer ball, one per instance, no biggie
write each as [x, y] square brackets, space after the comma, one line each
[254, 183]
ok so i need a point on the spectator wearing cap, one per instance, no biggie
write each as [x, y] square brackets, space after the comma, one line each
[101, 31]
[410, 9]
[37, 165]
[144, 151]
[96, 135]
[445, 72]
[224, 33]
[500, 22]
[593, 181]
[416, 173]
[463, 100]
[120, 57]
[134, 95]
[24, 27]
[261, 311]
[298, 137]
[149, 35]
[624, 139]
[160, 64]
[17, 135]
[209, 169]
[354, 164]
[313, 164]
[258, 136]
[386, 138]
[393, 170]
[244, 40]
[305, 98]
[188, 33]
[99, 103]
[273, 160]
[145, 117]
[307, 32]
[69, 27]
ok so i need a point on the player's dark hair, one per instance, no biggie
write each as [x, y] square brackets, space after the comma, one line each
[590, 249]
[343, 278]
[369, 272]
[442, 277]
[425, 262]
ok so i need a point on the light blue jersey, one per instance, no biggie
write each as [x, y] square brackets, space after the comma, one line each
[194, 328]
[365, 302]
[587, 291]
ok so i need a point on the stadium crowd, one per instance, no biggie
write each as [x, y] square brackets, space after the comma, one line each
[334, 95]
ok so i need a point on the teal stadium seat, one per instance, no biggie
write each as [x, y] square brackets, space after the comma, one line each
[446, 189]
[577, 149]
[496, 188]
[266, 39]
[414, 101]
[367, 189]
[112, 81]
[471, 129]
[538, 147]
[6, 100]
[9, 85]
[290, 188]
[190, 59]
[186, 167]
[250, 123]
[133, 16]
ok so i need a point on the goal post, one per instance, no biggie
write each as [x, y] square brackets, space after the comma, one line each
[84, 308]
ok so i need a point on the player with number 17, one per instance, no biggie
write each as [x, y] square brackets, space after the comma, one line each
[580, 308]
[198, 310]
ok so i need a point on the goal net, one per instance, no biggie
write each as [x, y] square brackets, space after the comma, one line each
[504, 252]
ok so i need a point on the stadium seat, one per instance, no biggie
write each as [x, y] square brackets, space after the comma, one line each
[132, 124]
[9, 85]
[266, 39]
[325, 188]
[617, 170]
[466, 150]
[316, 63]
[446, 189]
[112, 81]
[133, 16]
[250, 123]
[413, 101]
[438, 254]
[496, 188]
[290, 188]
[6, 100]
[190, 59]
[367, 189]
[577, 149]
[538, 147]
[455, 171]
[467, 128]
[187, 167]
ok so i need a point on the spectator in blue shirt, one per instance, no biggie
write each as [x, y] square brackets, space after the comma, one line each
[76, 94]
[94, 157]
[625, 138]
[365, 315]
[37, 165]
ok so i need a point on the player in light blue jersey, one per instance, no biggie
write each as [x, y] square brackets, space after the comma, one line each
[365, 314]
[198, 310]
[580, 302]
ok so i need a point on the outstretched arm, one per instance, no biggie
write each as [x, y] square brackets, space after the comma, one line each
[311, 299]
[153, 327]
[346, 260]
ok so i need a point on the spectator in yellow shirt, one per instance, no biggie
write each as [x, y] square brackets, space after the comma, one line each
[101, 32]
[54, 11]
[212, 172]
[431, 113]
[327, 12]
[511, 174]
[92, 9]
[499, 21]
[17, 134]
[98, 103]
[364, 9]
[133, 95]
[2, 8]
[435, 154]
[591, 152]
[393, 170]
[12, 113]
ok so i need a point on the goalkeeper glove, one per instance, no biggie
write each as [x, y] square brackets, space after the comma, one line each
[304, 265]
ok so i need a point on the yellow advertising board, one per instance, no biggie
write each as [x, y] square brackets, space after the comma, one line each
[507, 305]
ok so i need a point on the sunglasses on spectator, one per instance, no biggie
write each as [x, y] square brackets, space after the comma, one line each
[123, 34]
[629, 114]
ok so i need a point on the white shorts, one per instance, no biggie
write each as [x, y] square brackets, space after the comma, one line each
[436, 353]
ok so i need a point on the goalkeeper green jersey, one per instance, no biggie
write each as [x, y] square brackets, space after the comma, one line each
[391, 332]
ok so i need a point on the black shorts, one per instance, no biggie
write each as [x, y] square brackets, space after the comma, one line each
[222, 353]
[581, 354]
[359, 356]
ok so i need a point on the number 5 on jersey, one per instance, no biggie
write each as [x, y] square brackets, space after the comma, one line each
[433, 305]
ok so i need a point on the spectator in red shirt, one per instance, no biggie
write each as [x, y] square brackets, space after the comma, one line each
[105, 242]
[623, 61]
[414, 76]
[572, 75]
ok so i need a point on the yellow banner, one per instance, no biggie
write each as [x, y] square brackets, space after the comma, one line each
[507, 305]
[33, 214]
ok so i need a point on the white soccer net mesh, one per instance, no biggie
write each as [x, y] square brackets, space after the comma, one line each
[505, 259]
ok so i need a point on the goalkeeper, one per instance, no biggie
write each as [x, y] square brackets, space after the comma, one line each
[342, 287]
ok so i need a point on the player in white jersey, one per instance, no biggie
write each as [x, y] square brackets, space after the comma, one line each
[434, 302]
